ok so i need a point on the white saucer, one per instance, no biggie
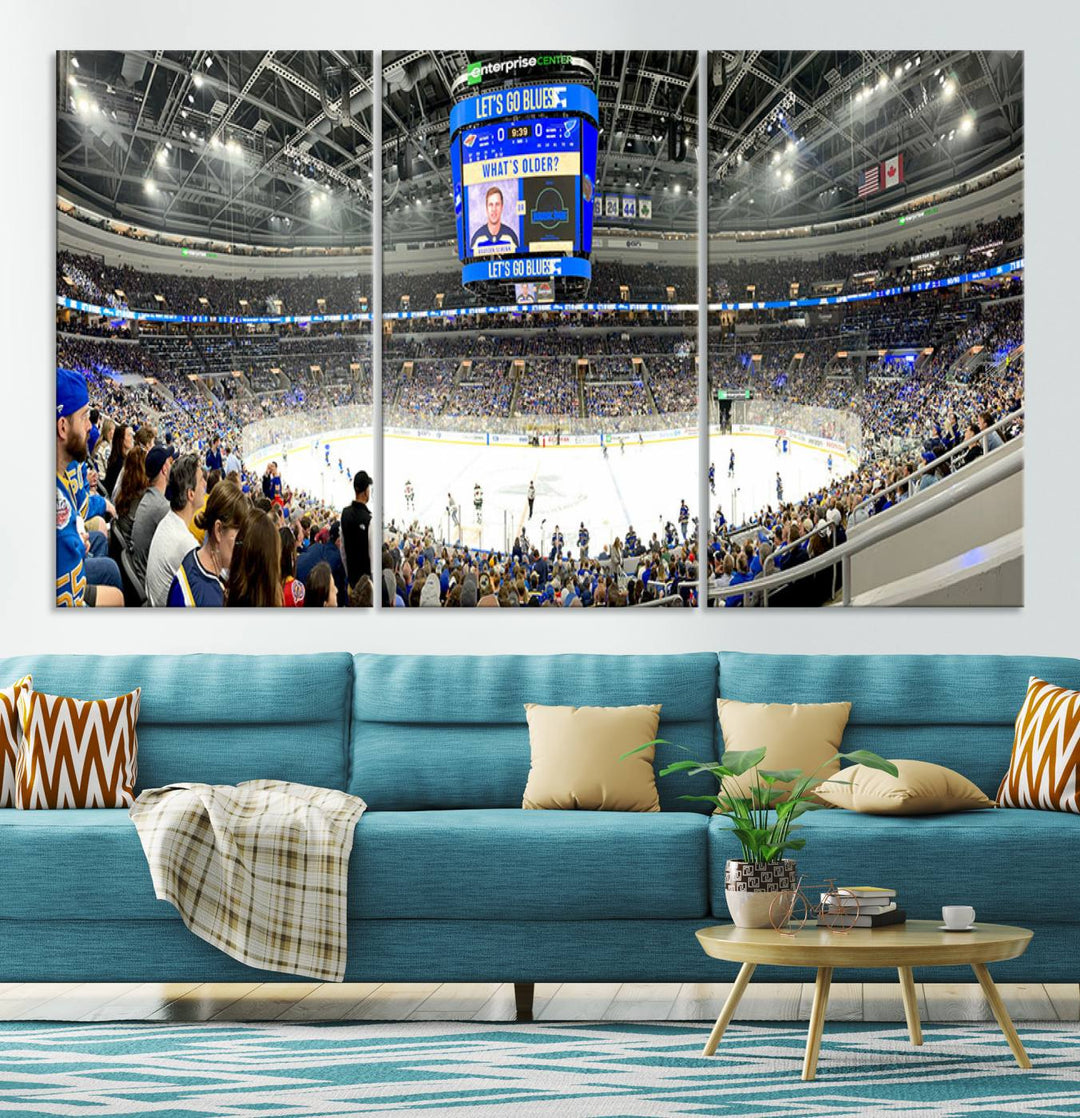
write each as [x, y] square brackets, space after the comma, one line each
[946, 928]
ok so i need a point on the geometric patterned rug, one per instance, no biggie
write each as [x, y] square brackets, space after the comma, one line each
[544, 1070]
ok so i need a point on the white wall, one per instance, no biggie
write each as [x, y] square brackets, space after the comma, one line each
[1049, 623]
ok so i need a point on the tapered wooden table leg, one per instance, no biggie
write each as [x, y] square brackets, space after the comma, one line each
[732, 1003]
[1001, 1014]
[911, 1004]
[817, 1022]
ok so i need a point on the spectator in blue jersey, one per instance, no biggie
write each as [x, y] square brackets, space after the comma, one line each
[72, 428]
[494, 235]
[213, 455]
[204, 573]
[324, 549]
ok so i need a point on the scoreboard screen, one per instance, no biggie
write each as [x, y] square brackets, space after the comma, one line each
[524, 184]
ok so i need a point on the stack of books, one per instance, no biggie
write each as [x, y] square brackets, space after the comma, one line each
[871, 907]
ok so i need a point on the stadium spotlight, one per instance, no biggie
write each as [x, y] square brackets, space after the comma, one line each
[738, 159]
[776, 159]
[950, 89]
[790, 146]
[882, 82]
[209, 62]
[918, 59]
[191, 98]
[778, 172]
[74, 62]
[73, 82]
[788, 176]
[162, 156]
[859, 96]
[897, 72]
[907, 65]
[150, 187]
[197, 80]
[966, 124]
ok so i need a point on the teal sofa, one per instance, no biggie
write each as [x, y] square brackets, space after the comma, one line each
[451, 881]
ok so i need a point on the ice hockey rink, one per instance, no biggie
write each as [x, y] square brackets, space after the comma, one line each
[641, 484]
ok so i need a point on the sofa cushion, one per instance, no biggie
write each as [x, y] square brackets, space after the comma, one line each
[1009, 865]
[218, 719]
[497, 864]
[958, 711]
[579, 758]
[450, 731]
[72, 865]
[512, 864]
[800, 736]
[1044, 770]
[9, 738]
[76, 753]
[919, 788]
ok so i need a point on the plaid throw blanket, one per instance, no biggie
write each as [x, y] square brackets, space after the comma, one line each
[258, 869]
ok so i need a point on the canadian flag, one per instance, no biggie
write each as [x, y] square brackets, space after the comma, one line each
[894, 170]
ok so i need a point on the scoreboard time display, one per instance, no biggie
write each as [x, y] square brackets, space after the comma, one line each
[523, 162]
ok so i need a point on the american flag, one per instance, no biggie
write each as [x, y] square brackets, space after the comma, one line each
[870, 180]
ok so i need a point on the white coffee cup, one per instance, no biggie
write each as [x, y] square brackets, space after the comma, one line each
[957, 916]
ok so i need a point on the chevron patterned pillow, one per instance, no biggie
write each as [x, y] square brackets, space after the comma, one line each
[1044, 771]
[9, 738]
[76, 753]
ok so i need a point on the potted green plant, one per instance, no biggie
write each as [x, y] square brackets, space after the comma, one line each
[763, 822]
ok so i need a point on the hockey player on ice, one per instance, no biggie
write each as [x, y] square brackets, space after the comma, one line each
[532, 497]
[731, 465]
[410, 497]
[712, 478]
[478, 502]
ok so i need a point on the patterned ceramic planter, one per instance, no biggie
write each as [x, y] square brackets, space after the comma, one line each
[751, 888]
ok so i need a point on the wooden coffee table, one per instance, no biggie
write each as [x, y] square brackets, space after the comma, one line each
[918, 943]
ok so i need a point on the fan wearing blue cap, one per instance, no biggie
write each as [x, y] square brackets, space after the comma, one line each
[72, 428]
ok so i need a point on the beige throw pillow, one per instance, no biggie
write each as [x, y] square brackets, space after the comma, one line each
[795, 736]
[575, 758]
[920, 788]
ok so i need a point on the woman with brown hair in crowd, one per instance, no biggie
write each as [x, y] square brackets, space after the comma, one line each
[255, 573]
[133, 484]
[321, 590]
[202, 576]
[123, 441]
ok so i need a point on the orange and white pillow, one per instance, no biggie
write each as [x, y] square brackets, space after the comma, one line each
[76, 753]
[9, 738]
[1044, 771]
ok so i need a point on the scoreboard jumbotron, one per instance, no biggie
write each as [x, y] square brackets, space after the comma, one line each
[523, 164]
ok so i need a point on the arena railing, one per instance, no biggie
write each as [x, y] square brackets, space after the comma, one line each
[1003, 467]
[911, 480]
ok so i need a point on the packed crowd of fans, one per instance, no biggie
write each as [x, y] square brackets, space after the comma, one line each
[930, 415]
[91, 280]
[420, 571]
[979, 245]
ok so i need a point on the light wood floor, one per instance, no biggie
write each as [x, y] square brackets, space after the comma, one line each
[486, 1001]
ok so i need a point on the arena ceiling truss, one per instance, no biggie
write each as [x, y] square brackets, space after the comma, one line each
[275, 147]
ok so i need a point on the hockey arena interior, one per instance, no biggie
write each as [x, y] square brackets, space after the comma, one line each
[541, 412]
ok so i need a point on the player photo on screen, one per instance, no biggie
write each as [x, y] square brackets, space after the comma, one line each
[494, 227]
